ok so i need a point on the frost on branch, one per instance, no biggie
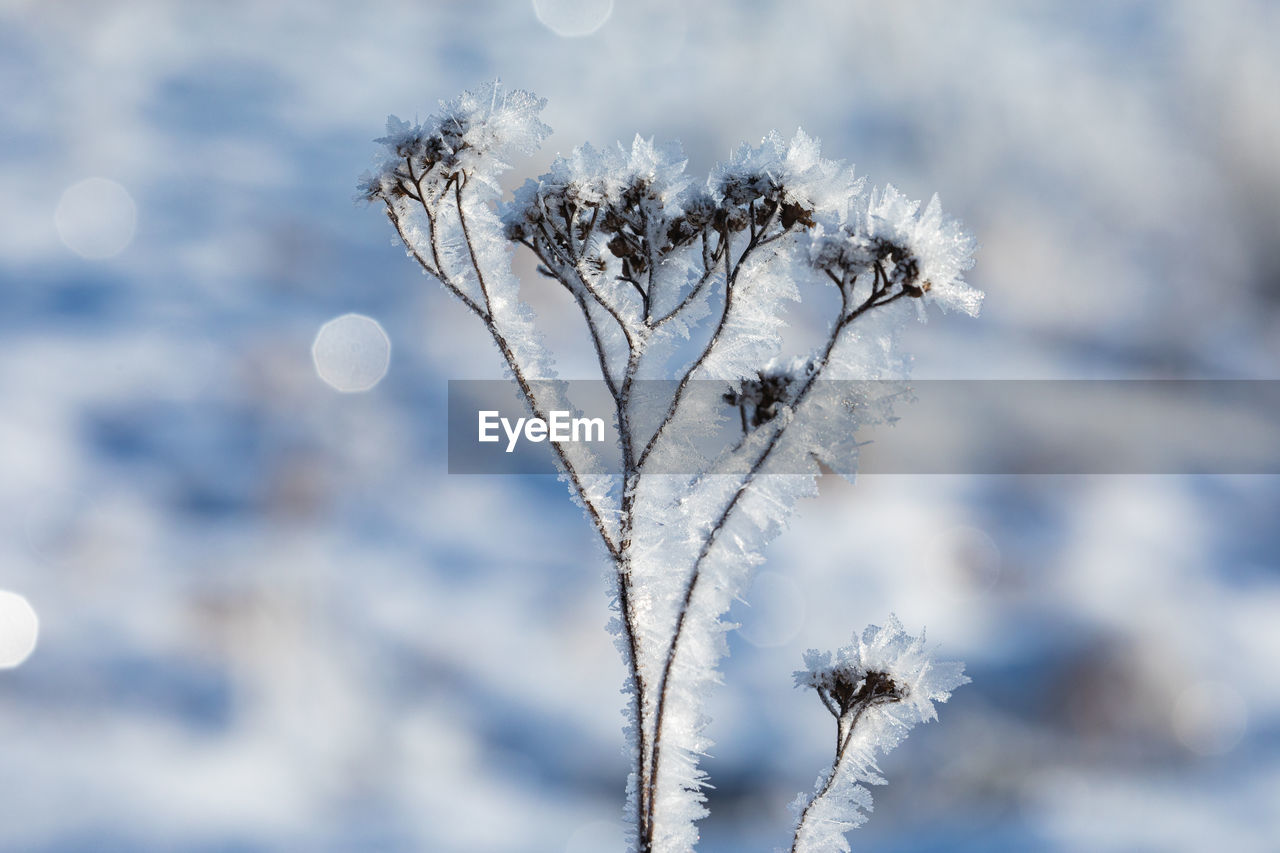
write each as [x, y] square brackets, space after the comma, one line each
[686, 281]
[877, 689]
[888, 236]
[472, 135]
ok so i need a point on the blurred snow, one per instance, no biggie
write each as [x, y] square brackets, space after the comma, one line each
[270, 621]
[773, 612]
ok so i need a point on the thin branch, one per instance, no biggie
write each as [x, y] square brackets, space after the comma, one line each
[570, 219]
[435, 270]
[433, 231]
[581, 276]
[689, 297]
[619, 552]
[471, 249]
[599, 347]
[621, 395]
[830, 705]
[842, 749]
[652, 257]
[555, 268]
[731, 277]
[517, 371]
[644, 296]
[426, 265]
[706, 352]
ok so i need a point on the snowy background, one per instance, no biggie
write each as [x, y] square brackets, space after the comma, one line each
[269, 621]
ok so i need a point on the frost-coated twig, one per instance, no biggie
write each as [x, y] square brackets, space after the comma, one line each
[879, 297]
[485, 314]
[877, 689]
[641, 248]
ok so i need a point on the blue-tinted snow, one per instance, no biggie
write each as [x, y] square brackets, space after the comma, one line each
[270, 621]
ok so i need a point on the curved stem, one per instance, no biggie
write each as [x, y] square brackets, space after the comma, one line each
[842, 748]
[689, 297]
[621, 553]
[730, 278]
[691, 587]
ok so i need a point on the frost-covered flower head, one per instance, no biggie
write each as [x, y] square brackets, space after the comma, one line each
[761, 398]
[614, 180]
[471, 136]
[888, 235]
[877, 688]
[885, 666]
[791, 177]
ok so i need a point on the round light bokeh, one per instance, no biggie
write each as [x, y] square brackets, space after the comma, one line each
[573, 18]
[776, 611]
[19, 629]
[976, 559]
[1209, 718]
[351, 353]
[96, 218]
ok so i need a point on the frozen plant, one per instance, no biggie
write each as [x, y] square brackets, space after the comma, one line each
[683, 281]
[877, 689]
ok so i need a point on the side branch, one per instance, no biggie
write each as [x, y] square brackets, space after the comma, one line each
[729, 277]
[485, 313]
[518, 372]
[555, 270]
[877, 298]
[563, 260]
[844, 737]
[433, 271]
[618, 551]
[561, 254]
[709, 260]
[574, 263]
[757, 240]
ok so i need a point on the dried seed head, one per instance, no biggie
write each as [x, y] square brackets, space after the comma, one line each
[852, 690]
[794, 214]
